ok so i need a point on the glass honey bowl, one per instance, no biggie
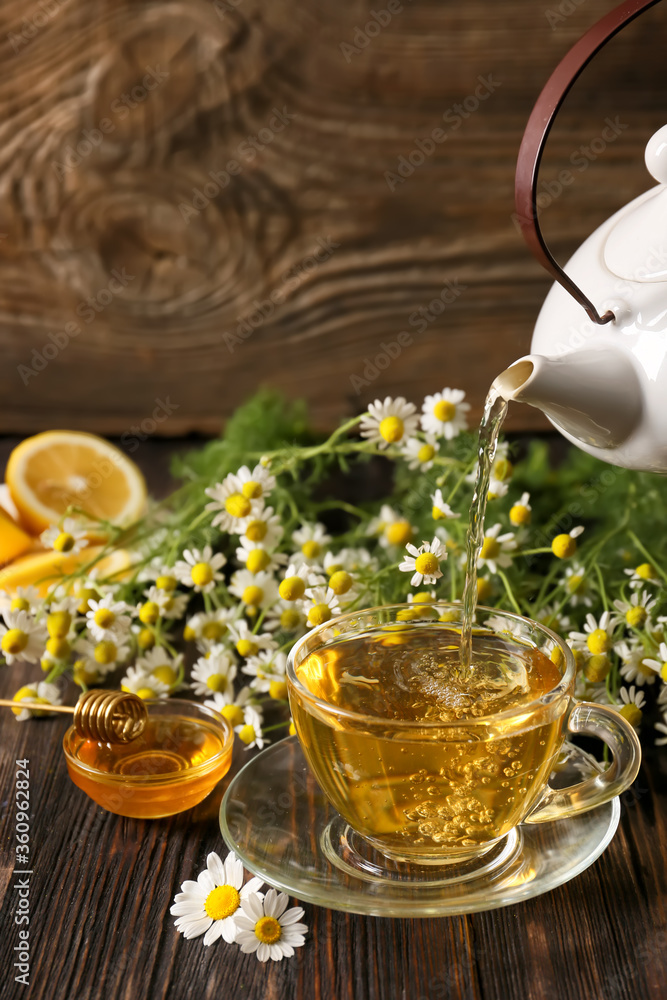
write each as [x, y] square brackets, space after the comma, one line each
[183, 752]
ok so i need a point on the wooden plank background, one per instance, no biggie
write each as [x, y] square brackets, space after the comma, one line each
[122, 288]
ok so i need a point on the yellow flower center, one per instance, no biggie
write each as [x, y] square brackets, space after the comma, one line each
[564, 546]
[574, 582]
[340, 582]
[85, 595]
[268, 930]
[437, 514]
[292, 588]
[14, 641]
[632, 714]
[597, 668]
[644, 669]
[19, 604]
[237, 505]
[399, 533]
[233, 714]
[427, 564]
[598, 641]
[190, 634]
[247, 733]
[27, 694]
[490, 548]
[519, 514]
[165, 673]
[221, 902]
[444, 411]
[404, 615]
[246, 647]
[104, 617]
[484, 588]
[311, 549]
[289, 619]
[213, 630]
[502, 469]
[166, 582]
[202, 574]
[579, 658]
[64, 542]
[256, 531]
[392, 429]
[252, 490]
[58, 624]
[278, 690]
[217, 682]
[149, 612]
[83, 674]
[146, 693]
[636, 616]
[645, 571]
[58, 648]
[252, 595]
[319, 614]
[105, 652]
[663, 672]
[556, 656]
[146, 639]
[258, 559]
[426, 453]
[334, 568]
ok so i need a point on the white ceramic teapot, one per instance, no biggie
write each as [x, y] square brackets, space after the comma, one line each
[600, 374]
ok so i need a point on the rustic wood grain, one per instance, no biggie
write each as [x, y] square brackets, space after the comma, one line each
[321, 178]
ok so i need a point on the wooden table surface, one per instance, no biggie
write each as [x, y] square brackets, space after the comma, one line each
[102, 886]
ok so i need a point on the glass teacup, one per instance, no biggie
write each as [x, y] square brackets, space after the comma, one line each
[427, 765]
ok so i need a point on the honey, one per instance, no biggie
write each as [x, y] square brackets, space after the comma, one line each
[170, 767]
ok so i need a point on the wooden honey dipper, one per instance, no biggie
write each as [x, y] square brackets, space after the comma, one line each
[105, 716]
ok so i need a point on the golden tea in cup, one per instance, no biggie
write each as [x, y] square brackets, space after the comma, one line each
[430, 763]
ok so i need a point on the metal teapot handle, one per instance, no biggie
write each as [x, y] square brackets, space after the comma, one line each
[537, 130]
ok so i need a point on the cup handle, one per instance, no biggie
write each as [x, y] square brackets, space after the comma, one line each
[609, 726]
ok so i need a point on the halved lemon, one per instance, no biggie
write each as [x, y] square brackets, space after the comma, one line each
[49, 472]
[41, 569]
[13, 540]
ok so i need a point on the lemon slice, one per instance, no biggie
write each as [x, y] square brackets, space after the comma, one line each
[13, 540]
[51, 471]
[41, 569]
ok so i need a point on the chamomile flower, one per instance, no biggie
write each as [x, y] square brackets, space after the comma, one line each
[441, 511]
[67, 538]
[633, 664]
[268, 668]
[661, 727]
[108, 618]
[261, 525]
[420, 453]
[392, 528]
[390, 422]
[577, 586]
[323, 605]
[209, 627]
[424, 562]
[99, 658]
[631, 708]
[641, 575]
[22, 638]
[497, 489]
[199, 569]
[168, 602]
[636, 611]
[159, 665]
[231, 506]
[215, 672]
[250, 730]
[286, 616]
[660, 665]
[298, 577]
[144, 685]
[256, 484]
[247, 642]
[23, 599]
[553, 618]
[521, 511]
[257, 558]
[597, 634]
[268, 928]
[352, 560]
[496, 548]
[444, 413]
[86, 670]
[208, 906]
[312, 540]
[230, 705]
[44, 693]
[255, 590]
[564, 546]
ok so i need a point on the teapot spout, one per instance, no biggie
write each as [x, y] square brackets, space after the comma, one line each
[593, 397]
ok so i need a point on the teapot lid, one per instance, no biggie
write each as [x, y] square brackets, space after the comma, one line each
[636, 248]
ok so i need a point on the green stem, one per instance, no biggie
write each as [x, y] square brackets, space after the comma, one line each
[510, 592]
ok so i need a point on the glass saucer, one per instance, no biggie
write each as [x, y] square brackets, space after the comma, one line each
[278, 821]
